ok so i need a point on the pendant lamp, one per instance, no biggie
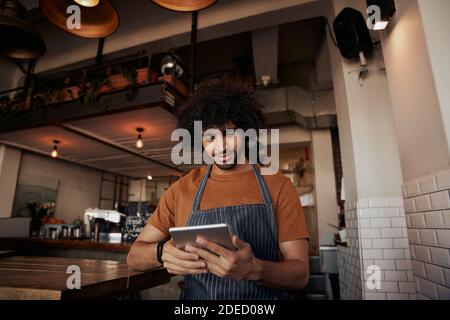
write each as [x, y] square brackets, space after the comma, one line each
[18, 39]
[98, 18]
[185, 5]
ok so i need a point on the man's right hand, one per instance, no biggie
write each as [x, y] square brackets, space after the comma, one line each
[180, 262]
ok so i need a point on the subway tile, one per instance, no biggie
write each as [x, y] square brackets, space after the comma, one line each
[407, 287]
[413, 296]
[443, 180]
[409, 205]
[407, 254]
[379, 203]
[417, 283]
[434, 219]
[446, 216]
[408, 221]
[363, 203]
[435, 273]
[368, 263]
[403, 264]
[414, 236]
[398, 222]
[443, 292]
[370, 233]
[380, 223]
[398, 296]
[391, 233]
[401, 243]
[385, 264]
[396, 202]
[388, 286]
[428, 237]
[421, 297]
[428, 184]
[366, 244]
[417, 220]
[410, 276]
[440, 256]
[375, 296]
[383, 243]
[422, 253]
[423, 203]
[364, 223]
[401, 210]
[412, 189]
[395, 276]
[440, 200]
[447, 276]
[443, 238]
[429, 289]
[372, 254]
[389, 212]
[369, 213]
[404, 232]
[390, 254]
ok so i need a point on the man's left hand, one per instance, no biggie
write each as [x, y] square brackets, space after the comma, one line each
[238, 265]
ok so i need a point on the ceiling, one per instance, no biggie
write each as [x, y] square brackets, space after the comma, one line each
[117, 129]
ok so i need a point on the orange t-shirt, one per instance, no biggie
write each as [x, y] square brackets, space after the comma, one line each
[241, 188]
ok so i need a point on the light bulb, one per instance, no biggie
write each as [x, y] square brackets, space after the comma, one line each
[149, 178]
[88, 3]
[55, 153]
[139, 143]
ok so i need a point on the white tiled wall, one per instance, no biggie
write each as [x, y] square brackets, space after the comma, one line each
[377, 235]
[349, 262]
[427, 207]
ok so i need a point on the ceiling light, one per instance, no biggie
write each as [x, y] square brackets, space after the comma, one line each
[387, 10]
[170, 64]
[139, 142]
[149, 178]
[87, 3]
[185, 5]
[55, 149]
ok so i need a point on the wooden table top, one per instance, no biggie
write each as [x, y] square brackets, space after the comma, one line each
[23, 277]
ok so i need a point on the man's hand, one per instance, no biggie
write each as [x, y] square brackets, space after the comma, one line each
[179, 262]
[238, 265]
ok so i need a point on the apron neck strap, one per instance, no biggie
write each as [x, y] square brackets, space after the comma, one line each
[261, 183]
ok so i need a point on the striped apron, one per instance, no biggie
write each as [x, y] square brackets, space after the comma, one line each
[254, 224]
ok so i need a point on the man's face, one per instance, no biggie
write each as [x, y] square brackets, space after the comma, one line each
[222, 147]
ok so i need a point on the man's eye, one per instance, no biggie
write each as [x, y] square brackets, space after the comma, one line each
[209, 138]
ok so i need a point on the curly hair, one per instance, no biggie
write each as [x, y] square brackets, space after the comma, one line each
[216, 103]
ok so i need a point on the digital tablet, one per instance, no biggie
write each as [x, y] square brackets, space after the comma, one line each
[217, 233]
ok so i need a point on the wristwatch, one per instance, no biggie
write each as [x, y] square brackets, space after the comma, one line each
[159, 250]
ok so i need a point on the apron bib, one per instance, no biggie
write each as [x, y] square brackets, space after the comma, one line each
[254, 224]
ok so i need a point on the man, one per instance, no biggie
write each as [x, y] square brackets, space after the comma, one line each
[264, 212]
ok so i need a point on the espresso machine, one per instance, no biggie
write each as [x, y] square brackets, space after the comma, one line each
[97, 220]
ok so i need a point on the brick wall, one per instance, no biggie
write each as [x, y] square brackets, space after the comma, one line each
[427, 207]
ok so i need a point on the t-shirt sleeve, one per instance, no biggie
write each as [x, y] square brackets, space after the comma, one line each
[290, 215]
[164, 216]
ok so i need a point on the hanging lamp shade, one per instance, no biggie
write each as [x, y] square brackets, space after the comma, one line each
[185, 5]
[19, 39]
[99, 19]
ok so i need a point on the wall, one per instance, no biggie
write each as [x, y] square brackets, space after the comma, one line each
[419, 122]
[325, 185]
[9, 169]
[79, 187]
[372, 176]
[416, 49]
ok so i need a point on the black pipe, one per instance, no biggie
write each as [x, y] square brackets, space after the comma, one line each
[193, 51]
[99, 57]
